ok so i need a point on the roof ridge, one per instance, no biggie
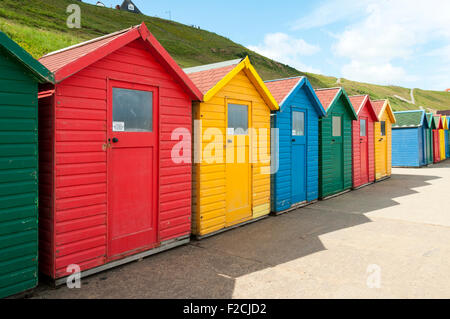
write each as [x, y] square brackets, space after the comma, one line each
[324, 89]
[285, 79]
[89, 41]
[410, 111]
[212, 66]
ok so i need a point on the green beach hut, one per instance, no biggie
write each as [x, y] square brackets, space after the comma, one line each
[335, 142]
[20, 76]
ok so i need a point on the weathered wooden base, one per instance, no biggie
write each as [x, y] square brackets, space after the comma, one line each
[170, 244]
[382, 179]
[294, 207]
[336, 195]
[362, 186]
[200, 237]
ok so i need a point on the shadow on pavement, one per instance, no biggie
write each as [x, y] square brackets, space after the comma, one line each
[208, 268]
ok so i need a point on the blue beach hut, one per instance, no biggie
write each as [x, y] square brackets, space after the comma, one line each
[296, 181]
[409, 139]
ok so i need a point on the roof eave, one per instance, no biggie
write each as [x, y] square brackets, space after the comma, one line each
[39, 71]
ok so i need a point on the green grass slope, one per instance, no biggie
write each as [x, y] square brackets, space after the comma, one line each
[40, 27]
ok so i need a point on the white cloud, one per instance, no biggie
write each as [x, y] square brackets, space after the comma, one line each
[376, 73]
[392, 31]
[286, 49]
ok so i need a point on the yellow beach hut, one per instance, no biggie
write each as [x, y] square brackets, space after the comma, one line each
[383, 139]
[231, 147]
[442, 139]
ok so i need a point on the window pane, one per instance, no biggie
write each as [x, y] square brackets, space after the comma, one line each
[237, 119]
[383, 128]
[132, 110]
[298, 123]
[363, 127]
[337, 128]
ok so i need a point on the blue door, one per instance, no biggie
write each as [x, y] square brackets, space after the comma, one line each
[298, 161]
[422, 147]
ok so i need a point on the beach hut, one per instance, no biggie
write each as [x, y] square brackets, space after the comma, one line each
[296, 181]
[115, 154]
[442, 142]
[383, 139]
[335, 142]
[409, 139]
[429, 137]
[363, 141]
[20, 76]
[231, 147]
[446, 125]
[436, 138]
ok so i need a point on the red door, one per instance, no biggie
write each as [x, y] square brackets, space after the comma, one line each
[364, 147]
[436, 146]
[132, 168]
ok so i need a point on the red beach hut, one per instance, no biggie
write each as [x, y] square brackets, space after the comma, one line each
[111, 190]
[363, 141]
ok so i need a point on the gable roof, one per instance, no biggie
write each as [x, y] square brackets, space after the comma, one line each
[212, 78]
[410, 119]
[381, 106]
[328, 97]
[125, 7]
[207, 76]
[437, 122]
[361, 101]
[36, 69]
[283, 89]
[444, 122]
[69, 61]
[430, 121]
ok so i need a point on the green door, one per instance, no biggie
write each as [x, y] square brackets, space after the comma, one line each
[337, 153]
[429, 146]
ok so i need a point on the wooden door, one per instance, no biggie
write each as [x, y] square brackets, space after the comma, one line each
[238, 168]
[132, 167]
[337, 153]
[383, 147]
[298, 156]
[364, 147]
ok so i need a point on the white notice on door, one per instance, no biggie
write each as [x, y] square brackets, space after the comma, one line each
[118, 126]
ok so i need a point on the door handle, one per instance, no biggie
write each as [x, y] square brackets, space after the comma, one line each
[115, 140]
[293, 140]
[380, 139]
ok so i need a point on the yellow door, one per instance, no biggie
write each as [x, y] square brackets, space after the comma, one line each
[442, 144]
[381, 151]
[238, 168]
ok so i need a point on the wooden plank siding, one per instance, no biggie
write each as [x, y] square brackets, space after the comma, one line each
[326, 165]
[282, 179]
[79, 184]
[382, 155]
[18, 178]
[209, 197]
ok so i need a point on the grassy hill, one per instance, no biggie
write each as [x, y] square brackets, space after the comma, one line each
[40, 27]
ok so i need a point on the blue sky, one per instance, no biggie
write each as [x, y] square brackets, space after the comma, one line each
[401, 42]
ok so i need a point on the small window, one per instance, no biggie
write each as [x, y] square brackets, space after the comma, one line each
[237, 119]
[337, 126]
[383, 128]
[363, 127]
[132, 110]
[298, 123]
